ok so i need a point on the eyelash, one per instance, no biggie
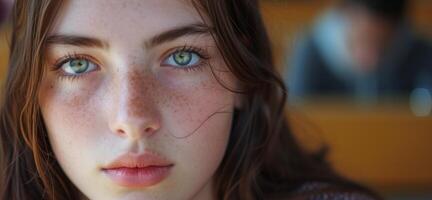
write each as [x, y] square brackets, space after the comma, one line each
[69, 57]
[201, 53]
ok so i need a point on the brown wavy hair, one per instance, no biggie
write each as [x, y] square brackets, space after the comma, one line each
[263, 158]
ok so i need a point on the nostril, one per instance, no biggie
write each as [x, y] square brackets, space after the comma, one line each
[149, 130]
[121, 131]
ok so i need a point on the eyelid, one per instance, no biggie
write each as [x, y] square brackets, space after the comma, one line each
[202, 53]
[199, 51]
[202, 58]
[60, 73]
[71, 56]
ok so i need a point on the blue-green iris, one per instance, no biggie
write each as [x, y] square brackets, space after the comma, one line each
[79, 65]
[182, 58]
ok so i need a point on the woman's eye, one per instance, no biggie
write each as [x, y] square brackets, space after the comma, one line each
[77, 66]
[183, 59]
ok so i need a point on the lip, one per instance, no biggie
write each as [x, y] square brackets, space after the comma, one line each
[138, 170]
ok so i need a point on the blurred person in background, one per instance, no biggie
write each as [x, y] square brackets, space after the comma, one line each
[362, 49]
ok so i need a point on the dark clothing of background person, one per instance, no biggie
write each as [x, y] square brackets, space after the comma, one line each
[314, 68]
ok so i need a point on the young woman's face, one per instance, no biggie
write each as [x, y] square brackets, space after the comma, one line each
[132, 108]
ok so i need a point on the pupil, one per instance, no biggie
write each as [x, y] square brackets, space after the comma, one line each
[182, 58]
[79, 66]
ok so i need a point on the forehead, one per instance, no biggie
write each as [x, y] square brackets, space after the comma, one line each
[120, 18]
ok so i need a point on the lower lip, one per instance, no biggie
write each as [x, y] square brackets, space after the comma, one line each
[138, 177]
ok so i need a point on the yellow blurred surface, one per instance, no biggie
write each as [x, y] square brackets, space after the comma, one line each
[385, 146]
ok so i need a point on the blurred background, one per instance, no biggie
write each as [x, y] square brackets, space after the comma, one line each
[359, 74]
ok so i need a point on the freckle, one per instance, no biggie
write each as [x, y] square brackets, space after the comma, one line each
[143, 89]
[76, 102]
[124, 4]
[76, 111]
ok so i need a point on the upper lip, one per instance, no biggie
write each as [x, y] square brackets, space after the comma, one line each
[133, 160]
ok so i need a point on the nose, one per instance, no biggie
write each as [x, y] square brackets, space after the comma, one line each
[135, 112]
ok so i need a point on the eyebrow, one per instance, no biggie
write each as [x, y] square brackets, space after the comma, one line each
[175, 33]
[158, 39]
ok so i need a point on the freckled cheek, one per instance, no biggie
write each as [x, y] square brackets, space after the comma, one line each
[69, 113]
[204, 149]
[189, 107]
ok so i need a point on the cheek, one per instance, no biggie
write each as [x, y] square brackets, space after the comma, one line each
[69, 118]
[199, 116]
[193, 108]
[203, 151]
[190, 103]
[67, 105]
[200, 120]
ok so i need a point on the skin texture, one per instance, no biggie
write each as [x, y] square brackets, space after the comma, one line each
[132, 102]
